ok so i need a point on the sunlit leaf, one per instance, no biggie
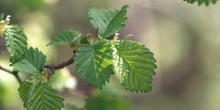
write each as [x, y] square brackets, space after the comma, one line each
[44, 97]
[134, 65]
[16, 42]
[32, 62]
[200, 2]
[65, 37]
[94, 63]
[108, 21]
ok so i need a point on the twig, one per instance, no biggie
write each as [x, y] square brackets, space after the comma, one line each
[59, 66]
[15, 73]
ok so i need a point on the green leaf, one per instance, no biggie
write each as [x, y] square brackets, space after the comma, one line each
[16, 42]
[134, 65]
[94, 63]
[25, 91]
[39, 96]
[105, 102]
[32, 62]
[108, 21]
[65, 37]
[44, 97]
[200, 2]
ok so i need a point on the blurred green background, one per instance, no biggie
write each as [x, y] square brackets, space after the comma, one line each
[185, 39]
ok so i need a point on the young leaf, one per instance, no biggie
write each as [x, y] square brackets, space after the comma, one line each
[44, 97]
[25, 91]
[16, 42]
[108, 21]
[134, 65]
[32, 62]
[94, 63]
[200, 2]
[65, 37]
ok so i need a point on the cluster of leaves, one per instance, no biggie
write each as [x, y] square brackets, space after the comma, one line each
[96, 59]
[200, 2]
[36, 93]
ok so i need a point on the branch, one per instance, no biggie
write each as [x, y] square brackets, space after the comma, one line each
[15, 73]
[59, 66]
[51, 68]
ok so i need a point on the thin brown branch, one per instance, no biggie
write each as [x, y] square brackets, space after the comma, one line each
[15, 73]
[59, 66]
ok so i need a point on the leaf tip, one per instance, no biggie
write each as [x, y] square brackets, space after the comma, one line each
[125, 7]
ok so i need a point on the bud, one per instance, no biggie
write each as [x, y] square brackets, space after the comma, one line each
[92, 39]
[4, 24]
